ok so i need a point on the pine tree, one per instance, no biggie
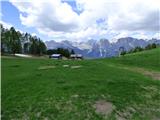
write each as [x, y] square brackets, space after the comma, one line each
[72, 51]
[13, 41]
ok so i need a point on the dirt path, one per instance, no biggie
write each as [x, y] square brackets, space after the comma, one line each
[150, 73]
[153, 74]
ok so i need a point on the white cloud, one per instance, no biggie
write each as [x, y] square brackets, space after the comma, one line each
[6, 25]
[58, 20]
[34, 34]
[157, 35]
[9, 25]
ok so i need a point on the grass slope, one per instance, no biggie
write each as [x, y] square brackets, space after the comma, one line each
[63, 93]
[149, 59]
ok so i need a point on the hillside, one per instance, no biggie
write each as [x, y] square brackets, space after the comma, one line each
[89, 89]
[149, 59]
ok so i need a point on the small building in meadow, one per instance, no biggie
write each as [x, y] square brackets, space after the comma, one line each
[76, 56]
[79, 56]
[55, 56]
[73, 56]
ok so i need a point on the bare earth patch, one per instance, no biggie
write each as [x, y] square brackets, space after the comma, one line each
[125, 114]
[153, 74]
[45, 67]
[77, 66]
[65, 66]
[150, 73]
[103, 107]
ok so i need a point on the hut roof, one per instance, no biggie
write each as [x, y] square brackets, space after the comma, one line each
[56, 55]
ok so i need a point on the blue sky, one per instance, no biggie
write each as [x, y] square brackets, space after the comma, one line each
[10, 14]
[80, 20]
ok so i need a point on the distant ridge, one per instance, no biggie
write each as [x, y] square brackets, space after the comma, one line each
[101, 48]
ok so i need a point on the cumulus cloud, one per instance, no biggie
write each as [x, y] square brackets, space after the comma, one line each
[136, 22]
[9, 25]
[115, 18]
[49, 15]
[157, 35]
[6, 25]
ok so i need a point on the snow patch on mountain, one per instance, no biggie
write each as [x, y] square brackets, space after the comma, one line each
[101, 48]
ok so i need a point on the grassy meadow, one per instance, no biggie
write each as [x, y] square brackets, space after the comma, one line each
[45, 89]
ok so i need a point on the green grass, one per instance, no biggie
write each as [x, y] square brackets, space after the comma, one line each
[149, 59]
[68, 94]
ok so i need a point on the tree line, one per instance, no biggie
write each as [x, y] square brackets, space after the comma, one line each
[13, 41]
[62, 51]
[138, 49]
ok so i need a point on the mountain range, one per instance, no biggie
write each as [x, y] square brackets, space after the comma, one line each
[101, 48]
